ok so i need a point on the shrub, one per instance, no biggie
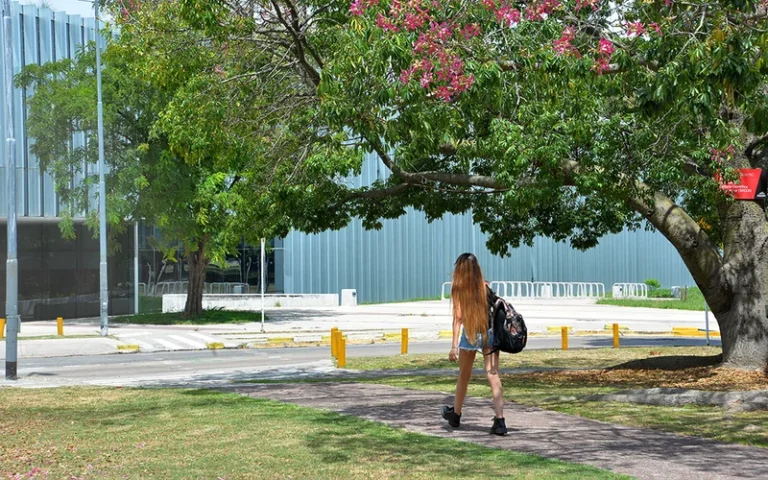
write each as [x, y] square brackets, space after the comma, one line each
[652, 283]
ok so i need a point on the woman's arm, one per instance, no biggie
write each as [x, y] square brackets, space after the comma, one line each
[453, 354]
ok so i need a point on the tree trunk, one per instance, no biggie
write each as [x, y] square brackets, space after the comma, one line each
[743, 319]
[734, 284]
[198, 262]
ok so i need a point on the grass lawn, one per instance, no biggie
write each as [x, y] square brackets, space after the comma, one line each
[605, 371]
[574, 358]
[150, 304]
[208, 317]
[89, 433]
[695, 301]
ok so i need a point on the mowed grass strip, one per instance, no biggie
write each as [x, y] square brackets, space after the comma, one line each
[208, 317]
[180, 434]
[694, 301]
[575, 358]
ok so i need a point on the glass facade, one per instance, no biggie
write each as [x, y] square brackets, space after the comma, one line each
[60, 277]
[240, 273]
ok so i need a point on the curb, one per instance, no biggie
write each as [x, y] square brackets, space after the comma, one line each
[693, 332]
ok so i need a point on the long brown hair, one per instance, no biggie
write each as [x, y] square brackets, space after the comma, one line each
[469, 297]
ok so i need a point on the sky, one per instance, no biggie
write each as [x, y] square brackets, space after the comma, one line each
[72, 7]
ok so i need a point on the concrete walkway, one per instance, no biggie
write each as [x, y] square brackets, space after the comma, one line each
[641, 453]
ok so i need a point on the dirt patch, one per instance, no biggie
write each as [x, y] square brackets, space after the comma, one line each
[642, 374]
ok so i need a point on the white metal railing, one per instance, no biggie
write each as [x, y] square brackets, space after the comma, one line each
[629, 290]
[513, 289]
[220, 288]
[442, 291]
[216, 288]
[522, 289]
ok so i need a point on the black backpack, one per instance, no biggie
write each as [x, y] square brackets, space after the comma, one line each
[509, 331]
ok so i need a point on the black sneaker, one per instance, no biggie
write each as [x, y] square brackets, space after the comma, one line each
[453, 418]
[499, 427]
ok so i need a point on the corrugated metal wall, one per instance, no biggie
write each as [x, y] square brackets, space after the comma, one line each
[39, 36]
[410, 258]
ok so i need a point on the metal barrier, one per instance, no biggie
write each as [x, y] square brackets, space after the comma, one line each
[522, 289]
[216, 288]
[220, 288]
[629, 290]
[512, 289]
[167, 288]
[442, 292]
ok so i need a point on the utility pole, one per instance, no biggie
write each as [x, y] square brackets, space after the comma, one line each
[103, 285]
[12, 262]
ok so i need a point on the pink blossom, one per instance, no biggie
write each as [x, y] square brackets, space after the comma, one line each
[563, 46]
[605, 47]
[385, 24]
[422, 43]
[357, 8]
[426, 79]
[471, 30]
[413, 21]
[443, 93]
[457, 66]
[405, 75]
[636, 28]
[538, 9]
[395, 8]
[441, 31]
[668, 2]
[586, 3]
[601, 65]
[490, 4]
[507, 15]
[655, 26]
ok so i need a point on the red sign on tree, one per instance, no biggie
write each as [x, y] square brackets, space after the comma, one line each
[746, 189]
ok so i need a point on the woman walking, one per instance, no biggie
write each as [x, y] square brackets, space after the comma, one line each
[472, 322]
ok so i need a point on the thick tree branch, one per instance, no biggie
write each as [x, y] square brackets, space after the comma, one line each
[697, 250]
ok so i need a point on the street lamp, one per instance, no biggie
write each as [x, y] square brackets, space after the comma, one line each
[103, 292]
[103, 285]
[12, 263]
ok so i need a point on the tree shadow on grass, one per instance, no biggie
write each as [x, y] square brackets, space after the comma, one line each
[670, 362]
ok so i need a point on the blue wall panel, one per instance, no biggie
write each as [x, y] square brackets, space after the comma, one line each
[39, 36]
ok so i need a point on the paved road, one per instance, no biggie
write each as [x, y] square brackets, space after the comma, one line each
[212, 366]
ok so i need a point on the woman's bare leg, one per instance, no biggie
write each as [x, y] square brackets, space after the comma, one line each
[492, 371]
[466, 360]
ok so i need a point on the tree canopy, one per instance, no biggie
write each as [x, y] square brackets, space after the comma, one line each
[570, 119]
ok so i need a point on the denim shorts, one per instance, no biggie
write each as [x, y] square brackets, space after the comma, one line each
[478, 345]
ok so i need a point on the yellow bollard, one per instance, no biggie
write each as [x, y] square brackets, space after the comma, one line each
[337, 343]
[404, 342]
[2, 328]
[60, 326]
[342, 352]
[615, 335]
[333, 342]
[564, 331]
